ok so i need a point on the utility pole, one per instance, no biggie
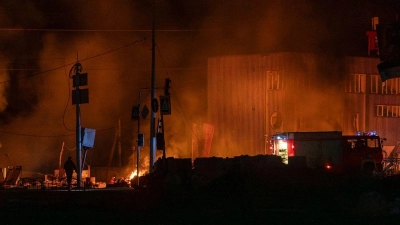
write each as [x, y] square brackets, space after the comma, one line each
[136, 114]
[153, 95]
[165, 104]
[79, 96]
[78, 125]
[140, 137]
[140, 143]
[119, 144]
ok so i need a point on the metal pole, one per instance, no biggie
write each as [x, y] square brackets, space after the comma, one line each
[138, 147]
[153, 95]
[137, 166]
[119, 144]
[151, 142]
[78, 128]
[163, 136]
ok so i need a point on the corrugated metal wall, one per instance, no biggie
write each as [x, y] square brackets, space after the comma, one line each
[388, 127]
[313, 98]
[236, 100]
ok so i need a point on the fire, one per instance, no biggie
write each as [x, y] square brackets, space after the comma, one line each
[133, 174]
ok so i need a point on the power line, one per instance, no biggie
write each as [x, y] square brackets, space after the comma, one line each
[119, 69]
[60, 135]
[101, 30]
[34, 135]
[39, 73]
[25, 60]
[113, 50]
[70, 64]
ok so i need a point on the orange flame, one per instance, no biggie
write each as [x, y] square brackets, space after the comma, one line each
[133, 174]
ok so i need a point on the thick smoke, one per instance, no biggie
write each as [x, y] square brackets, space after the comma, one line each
[41, 40]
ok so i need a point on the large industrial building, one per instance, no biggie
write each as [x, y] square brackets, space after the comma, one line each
[251, 97]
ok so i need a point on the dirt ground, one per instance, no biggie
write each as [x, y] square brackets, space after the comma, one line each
[279, 196]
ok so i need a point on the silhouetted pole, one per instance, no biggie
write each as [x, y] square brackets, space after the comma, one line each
[78, 127]
[153, 95]
[138, 146]
[119, 144]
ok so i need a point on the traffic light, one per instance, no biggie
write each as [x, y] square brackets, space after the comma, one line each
[388, 40]
[167, 87]
[389, 50]
[79, 95]
[140, 140]
[80, 79]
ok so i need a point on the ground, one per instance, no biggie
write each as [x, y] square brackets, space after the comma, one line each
[279, 196]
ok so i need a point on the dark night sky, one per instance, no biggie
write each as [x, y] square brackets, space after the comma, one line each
[40, 40]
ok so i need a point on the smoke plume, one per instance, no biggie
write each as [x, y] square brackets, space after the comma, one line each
[41, 40]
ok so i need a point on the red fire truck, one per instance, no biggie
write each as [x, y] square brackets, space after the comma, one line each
[330, 149]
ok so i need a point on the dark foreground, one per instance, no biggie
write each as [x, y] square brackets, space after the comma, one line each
[278, 196]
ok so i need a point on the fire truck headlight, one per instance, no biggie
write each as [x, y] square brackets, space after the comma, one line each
[328, 166]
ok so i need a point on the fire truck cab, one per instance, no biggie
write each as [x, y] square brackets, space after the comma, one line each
[330, 150]
[363, 150]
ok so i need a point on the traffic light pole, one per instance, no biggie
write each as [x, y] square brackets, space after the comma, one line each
[153, 96]
[163, 136]
[138, 147]
[137, 141]
[78, 128]
[138, 131]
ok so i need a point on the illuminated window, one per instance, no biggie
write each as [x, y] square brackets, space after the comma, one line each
[356, 83]
[384, 88]
[375, 84]
[379, 110]
[359, 83]
[372, 142]
[395, 111]
[274, 80]
[387, 110]
[394, 86]
[391, 86]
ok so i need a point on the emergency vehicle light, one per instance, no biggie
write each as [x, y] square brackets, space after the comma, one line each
[371, 133]
[368, 133]
[279, 137]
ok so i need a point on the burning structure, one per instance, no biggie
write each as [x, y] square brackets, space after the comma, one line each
[40, 40]
[251, 97]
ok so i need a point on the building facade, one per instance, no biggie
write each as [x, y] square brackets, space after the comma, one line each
[251, 97]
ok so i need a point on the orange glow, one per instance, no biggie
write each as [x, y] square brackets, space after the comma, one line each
[133, 174]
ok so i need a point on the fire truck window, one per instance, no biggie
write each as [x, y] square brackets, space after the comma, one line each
[360, 143]
[372, 143]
